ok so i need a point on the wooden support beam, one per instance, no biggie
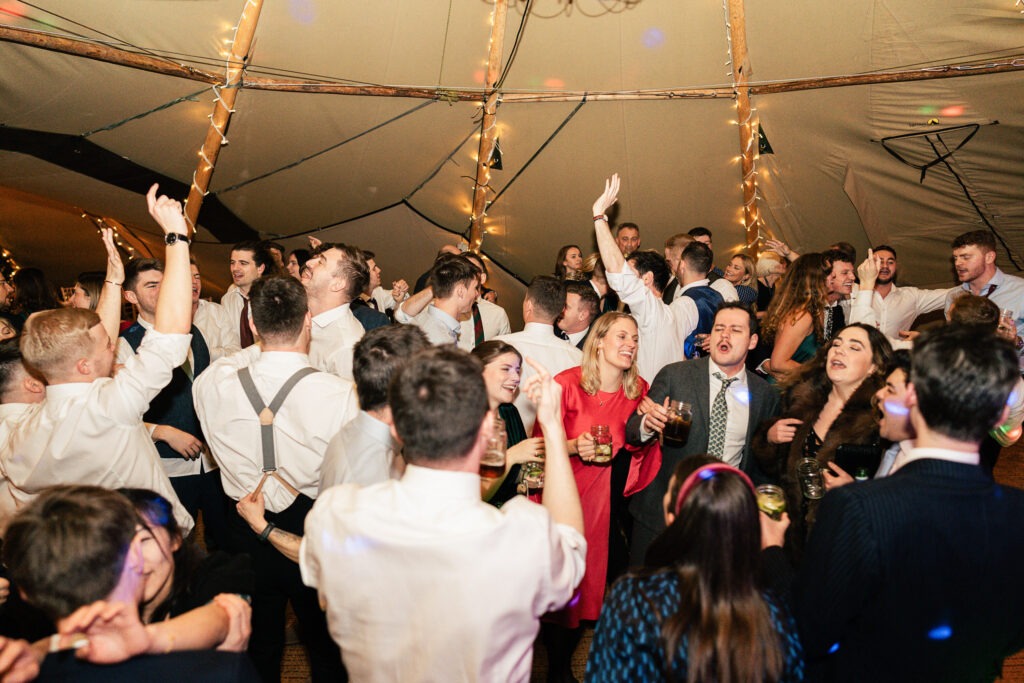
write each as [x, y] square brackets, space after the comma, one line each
[223, 106]
[488, 126]
[745, 119]
[144, 62]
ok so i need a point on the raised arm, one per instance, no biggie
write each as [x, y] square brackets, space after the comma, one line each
[108, 306]
[561, 497]
[174, 303]
[610, 254]
[414, 305]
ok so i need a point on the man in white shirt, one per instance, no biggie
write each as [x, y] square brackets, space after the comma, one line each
[453, 286]
[582, 306]
[639, 284]
[696, 301]
[974, 258]
[923, 579]
[171, 417]
[89, 428]
[365, 451]
[19, 391]
[213, 321]
[249, 260]
[880, 303]
[486, 320]
[544, 301]
[421, 580]
[335, 276]
[279, 457]
[715, 274]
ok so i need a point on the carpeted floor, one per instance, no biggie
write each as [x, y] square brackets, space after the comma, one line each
[1009, 470]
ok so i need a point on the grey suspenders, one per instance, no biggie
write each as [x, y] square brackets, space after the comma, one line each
[266, 414]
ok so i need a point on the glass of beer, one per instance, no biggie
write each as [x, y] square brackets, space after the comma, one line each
[812, 482]
[602, 444]
[492, 464]
[771, 500]
[677, 425]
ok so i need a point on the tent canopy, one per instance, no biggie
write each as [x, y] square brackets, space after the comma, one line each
[396, 174]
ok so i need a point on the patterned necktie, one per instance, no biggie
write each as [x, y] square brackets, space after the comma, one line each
[478, 326]
[719, 417]
[828, 322]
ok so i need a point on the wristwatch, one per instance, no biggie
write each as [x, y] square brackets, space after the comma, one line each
[175, 237]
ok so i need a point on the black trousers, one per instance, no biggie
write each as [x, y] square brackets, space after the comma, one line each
[204, 492]
[277, 582]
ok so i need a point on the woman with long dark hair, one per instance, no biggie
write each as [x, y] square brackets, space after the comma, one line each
[794, 326]
[569, 263]
[695, 613]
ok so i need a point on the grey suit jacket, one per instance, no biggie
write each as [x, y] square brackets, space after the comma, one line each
[690, 381]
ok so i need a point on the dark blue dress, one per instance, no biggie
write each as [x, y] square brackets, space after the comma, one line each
[627, 641]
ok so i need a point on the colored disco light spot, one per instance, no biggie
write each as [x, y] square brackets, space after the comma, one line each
[554, 83]
[834, 648]
[952, 111]
[653, 37]
[13, 9]
[478, 76]
[927, 110]
[302, 11]
[941, 632]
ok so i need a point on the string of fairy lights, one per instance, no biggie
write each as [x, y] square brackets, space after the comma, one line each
[100, 222]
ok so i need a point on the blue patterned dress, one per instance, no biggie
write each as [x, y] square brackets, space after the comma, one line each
[627, 644]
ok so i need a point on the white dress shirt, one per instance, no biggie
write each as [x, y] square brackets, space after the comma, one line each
[174, 467]
[908, 456]
[424, 582]
[659, 343]
[363, 453]
[233, 302]
[1007, 291]
[439, 327]
[334, 336]
[494, 320]
[220, 333]
[536, 341]
[684, 313]
[92, 432]
[311, 415]
[726, 289]
[737, 401]
[384, 298]
[897, 311]
[10, 415]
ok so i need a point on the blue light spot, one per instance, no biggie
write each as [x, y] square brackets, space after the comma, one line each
[302, 11]
[653, 37]
[706, 474]
[356, 545]
[834, 648]
[742, 396]
[941, 632]
[896, 408]
[1014, 396]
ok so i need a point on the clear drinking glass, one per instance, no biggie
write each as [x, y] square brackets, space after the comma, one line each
[602, 444]
[812, 482]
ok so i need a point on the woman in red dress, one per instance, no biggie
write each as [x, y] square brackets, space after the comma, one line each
[604, 390]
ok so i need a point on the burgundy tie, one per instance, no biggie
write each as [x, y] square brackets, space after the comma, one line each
[244, 331]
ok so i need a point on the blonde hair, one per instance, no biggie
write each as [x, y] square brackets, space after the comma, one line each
[766, 262]
[590, 378]
[748, 268]
[54, 339]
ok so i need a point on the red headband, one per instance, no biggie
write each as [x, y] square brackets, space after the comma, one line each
[706, 472]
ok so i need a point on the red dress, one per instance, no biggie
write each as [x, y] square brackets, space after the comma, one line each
[579, 412]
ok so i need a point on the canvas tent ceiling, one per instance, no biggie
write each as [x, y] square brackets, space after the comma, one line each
[828, 179]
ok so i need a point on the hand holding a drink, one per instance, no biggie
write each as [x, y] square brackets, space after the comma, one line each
[657, 414]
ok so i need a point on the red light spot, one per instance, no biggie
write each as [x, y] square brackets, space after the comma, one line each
[554, 83]
[14, 9]
[478, 75]
[952, 111]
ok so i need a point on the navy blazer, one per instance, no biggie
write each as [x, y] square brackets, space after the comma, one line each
[914, 577]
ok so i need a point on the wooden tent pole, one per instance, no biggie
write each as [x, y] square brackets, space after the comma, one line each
[488, 126]
[744, 118]
[223, 105]
[112, 55]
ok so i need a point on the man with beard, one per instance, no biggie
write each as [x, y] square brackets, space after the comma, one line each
[880, 302]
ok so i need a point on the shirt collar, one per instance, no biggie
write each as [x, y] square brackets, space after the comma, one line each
[913, 454]
[537, 329]
[740, 377]
[699, 283]
[449, 322]
[442, 483]
[329, 316]
[997, 279]
[377, 430]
